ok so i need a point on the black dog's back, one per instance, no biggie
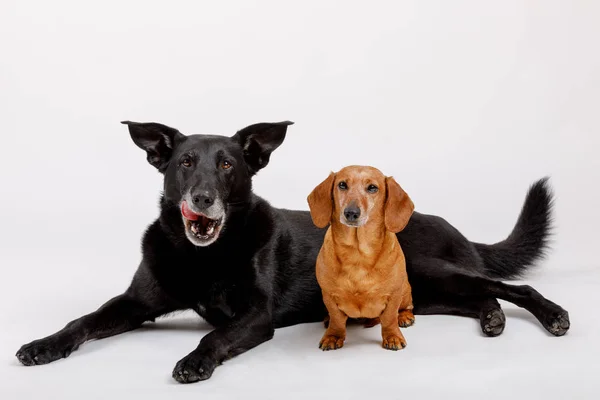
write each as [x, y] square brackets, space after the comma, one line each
[425, 237]
[429, 236]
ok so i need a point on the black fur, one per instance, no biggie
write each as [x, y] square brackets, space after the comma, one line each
[528, 241]
[259, 274]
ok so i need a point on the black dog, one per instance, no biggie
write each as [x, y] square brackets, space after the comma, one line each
[248, 268]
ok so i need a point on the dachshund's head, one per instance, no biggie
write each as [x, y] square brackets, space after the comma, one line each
[357, 195]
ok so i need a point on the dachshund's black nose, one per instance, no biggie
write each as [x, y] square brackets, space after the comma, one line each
[352, 213]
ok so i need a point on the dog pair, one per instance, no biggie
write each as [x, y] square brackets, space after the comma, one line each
[248, 268]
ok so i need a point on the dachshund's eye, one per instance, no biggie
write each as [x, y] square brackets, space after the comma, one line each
[342, 185]
[372, 189]
[226, 165]
[186, 162]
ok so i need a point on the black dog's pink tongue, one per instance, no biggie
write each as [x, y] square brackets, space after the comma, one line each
[187, 213]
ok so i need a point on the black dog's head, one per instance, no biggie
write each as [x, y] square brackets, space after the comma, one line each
[205, 175]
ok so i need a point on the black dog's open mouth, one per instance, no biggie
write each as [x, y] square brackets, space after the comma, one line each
[204, 228]
[199, 226]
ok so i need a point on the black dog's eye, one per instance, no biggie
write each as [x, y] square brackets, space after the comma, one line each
[186, 162]
[226, 165]
[342, 185]
[372, 189]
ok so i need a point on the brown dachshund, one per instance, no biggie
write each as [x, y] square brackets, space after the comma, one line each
[361, 268]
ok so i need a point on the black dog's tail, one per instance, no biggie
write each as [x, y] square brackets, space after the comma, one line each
[528, 241]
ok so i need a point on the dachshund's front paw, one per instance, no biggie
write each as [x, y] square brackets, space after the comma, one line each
[331, 342]
[394, 342]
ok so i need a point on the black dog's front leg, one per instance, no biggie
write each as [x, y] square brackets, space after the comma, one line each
[250, 329]
[120, 314]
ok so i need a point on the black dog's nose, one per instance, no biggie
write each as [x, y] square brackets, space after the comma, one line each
[203, 200]
[352, 214]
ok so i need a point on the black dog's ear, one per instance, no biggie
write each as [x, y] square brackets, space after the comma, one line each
[259, 141]
[156, 139]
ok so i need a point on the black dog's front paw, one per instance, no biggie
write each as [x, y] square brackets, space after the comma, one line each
[44, 351]
[193, 368]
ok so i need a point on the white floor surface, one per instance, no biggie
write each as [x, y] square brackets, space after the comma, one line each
[447, 357]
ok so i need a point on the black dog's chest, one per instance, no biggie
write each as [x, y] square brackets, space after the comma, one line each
[213, 290]
[219, 303]
[211, 281]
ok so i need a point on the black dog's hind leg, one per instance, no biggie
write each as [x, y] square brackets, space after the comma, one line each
[440, 276]
[120, 314]
[487, 310]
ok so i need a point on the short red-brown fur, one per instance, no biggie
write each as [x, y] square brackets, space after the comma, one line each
[362, 271]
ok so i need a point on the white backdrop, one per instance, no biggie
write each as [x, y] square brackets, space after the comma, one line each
[466, 103]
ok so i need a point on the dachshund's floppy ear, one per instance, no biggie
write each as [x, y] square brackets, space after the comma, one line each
[259, 141]
[398, 206]
[156, 139]
[320, 202]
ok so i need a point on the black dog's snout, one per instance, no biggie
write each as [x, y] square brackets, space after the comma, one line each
[352, 213]
[203, 199]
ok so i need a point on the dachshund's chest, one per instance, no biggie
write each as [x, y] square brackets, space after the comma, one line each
[361, 294]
